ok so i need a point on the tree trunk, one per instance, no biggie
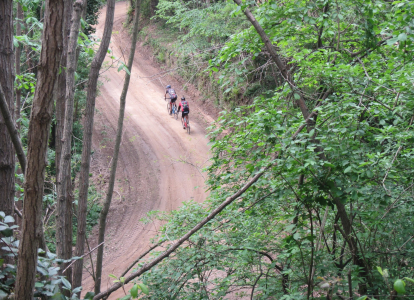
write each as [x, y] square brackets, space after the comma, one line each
[17, 63]
[7, 160]
[64, 203]
[41, 116]
[107, 204]
[12, 129]
[87, 140]
[60, 92]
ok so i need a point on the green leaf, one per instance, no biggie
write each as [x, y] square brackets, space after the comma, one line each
[409, 279]
[362, 298]
[89, 296]
[134, 291]
[127, 70]
[402, 37]
[399, 286]
[392, 41]
[112, 276]
[349, 169]
[297, 96]
[127, 297]
[58, 296]
[143, 288]
[8, 219]
[7, 232]
[379, 269]
[66, 283]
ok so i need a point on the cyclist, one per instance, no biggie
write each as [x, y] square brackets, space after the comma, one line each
[185, 110]
[172, 96]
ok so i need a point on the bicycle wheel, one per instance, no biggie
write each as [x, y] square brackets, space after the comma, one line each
[168, 108]
[188, 128]
[175, 113]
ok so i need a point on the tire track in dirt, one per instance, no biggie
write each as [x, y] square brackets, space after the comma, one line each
[150, 173]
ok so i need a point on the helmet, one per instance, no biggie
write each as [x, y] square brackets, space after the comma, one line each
[168, 86]
[182, 98]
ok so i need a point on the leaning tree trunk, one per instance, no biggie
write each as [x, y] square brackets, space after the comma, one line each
[7, 159]
[64, 207]
[87, 140]
[38, 135]
[12, 129]
[107, 204]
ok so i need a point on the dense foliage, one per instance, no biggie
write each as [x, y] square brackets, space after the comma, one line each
[352, 62]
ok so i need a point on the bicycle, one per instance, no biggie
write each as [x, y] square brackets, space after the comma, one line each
[174, 110]
[186, 124]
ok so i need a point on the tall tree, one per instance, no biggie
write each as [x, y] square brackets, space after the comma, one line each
[17, 63]
[87, 140]
[38, 134]
[64, 207]
[107, 204]
[7, 160]
[60, 92]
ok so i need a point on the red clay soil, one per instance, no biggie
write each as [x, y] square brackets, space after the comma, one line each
[159, 164]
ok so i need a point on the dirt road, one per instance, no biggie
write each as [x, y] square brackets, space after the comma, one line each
[156, 169]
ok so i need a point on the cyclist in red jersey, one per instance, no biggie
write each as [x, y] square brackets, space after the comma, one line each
[185, 108]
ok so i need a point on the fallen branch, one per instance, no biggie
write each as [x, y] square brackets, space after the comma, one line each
[139, 258]
[167, 253]
[82, 257]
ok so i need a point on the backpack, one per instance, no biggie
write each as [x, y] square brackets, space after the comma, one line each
[185, 106]
[172, 93]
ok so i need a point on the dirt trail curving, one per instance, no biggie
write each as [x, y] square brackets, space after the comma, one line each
[157, 156]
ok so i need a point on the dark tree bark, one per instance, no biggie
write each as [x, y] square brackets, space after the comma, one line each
[107, 204]
[64, 207]
[7, 160]
[87, 140]
[40, 119]
[12, 128]
[17, 63]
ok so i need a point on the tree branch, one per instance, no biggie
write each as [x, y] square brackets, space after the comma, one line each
[196, 228]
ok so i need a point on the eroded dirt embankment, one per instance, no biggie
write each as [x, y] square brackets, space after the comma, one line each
[158, 162]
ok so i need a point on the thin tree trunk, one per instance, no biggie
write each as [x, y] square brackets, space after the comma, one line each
[87, 140]
[64, 203]
[38, 134]
[11, 127]
[7, 159]
[60, 92]
[107, 204]
[17, 63]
